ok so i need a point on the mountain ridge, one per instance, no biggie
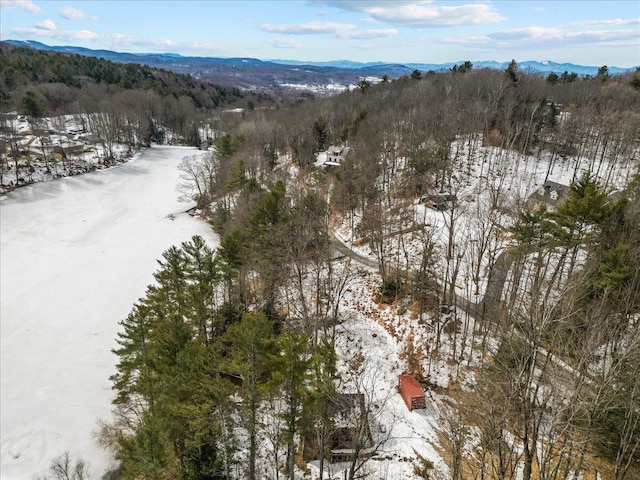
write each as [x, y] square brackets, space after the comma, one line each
[252, 73]
[543, 66]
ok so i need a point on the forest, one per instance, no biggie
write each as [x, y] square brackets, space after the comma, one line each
[237, 364]
[228, 368]
[138, 103]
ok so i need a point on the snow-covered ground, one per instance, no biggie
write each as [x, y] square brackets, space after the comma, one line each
[491, 186]
[76, 253]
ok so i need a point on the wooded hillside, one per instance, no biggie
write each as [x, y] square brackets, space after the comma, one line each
[42, 83]
[531, 308]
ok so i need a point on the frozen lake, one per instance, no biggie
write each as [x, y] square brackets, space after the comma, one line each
[75, 254]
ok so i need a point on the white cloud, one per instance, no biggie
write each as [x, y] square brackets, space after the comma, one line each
[77, 35]
[285, 43]
[338, 30]
[127, 42]
[536, 37]
[368, 46]
[544, 35]
[528, 34]
[201, 46]
[71, 13]
[611, 23]
[422, 13]
[368, 34]
[46, 25]
[26, 5]
[309, 28]
[433, 16]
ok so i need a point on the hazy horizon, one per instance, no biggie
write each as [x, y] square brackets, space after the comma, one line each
[586, 33]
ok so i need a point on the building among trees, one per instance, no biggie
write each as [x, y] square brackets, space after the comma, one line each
[333, 156]
[411, 392]
[551, 193]
[351, 436]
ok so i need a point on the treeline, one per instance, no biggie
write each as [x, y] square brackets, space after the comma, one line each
[424, 112]
[40, 83]
[418, 117]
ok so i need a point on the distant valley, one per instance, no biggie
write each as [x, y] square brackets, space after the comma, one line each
[283, 75]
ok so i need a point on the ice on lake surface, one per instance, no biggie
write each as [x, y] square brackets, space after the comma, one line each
[75, 254]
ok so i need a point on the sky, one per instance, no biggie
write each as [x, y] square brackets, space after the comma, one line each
[432, 31]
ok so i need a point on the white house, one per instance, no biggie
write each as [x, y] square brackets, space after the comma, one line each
[333, 156]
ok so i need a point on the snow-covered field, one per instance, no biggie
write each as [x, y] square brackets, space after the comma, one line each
[76, 253]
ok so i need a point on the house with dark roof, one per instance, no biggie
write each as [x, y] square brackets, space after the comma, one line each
[351, 434]
[440, 201]
[551, 193]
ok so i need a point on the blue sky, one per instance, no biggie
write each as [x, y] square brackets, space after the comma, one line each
[583, 32]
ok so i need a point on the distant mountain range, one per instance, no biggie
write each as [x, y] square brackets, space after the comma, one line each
[288, 74]
[540, 67]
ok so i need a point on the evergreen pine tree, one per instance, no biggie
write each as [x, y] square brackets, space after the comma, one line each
[291, 378]
[250, 351]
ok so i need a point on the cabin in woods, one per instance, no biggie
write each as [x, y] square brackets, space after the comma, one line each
[336, 155]
[440, 201]
[333, 156]
[351, 433]
[411, 392]
[551, 193]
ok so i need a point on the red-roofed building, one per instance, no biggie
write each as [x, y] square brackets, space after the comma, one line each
[411, 392]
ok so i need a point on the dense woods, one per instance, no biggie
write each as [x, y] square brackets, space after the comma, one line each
[228, 367]
[138, 103]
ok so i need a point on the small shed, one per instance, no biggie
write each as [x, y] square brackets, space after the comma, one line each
[440, 201]
[411, 392]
